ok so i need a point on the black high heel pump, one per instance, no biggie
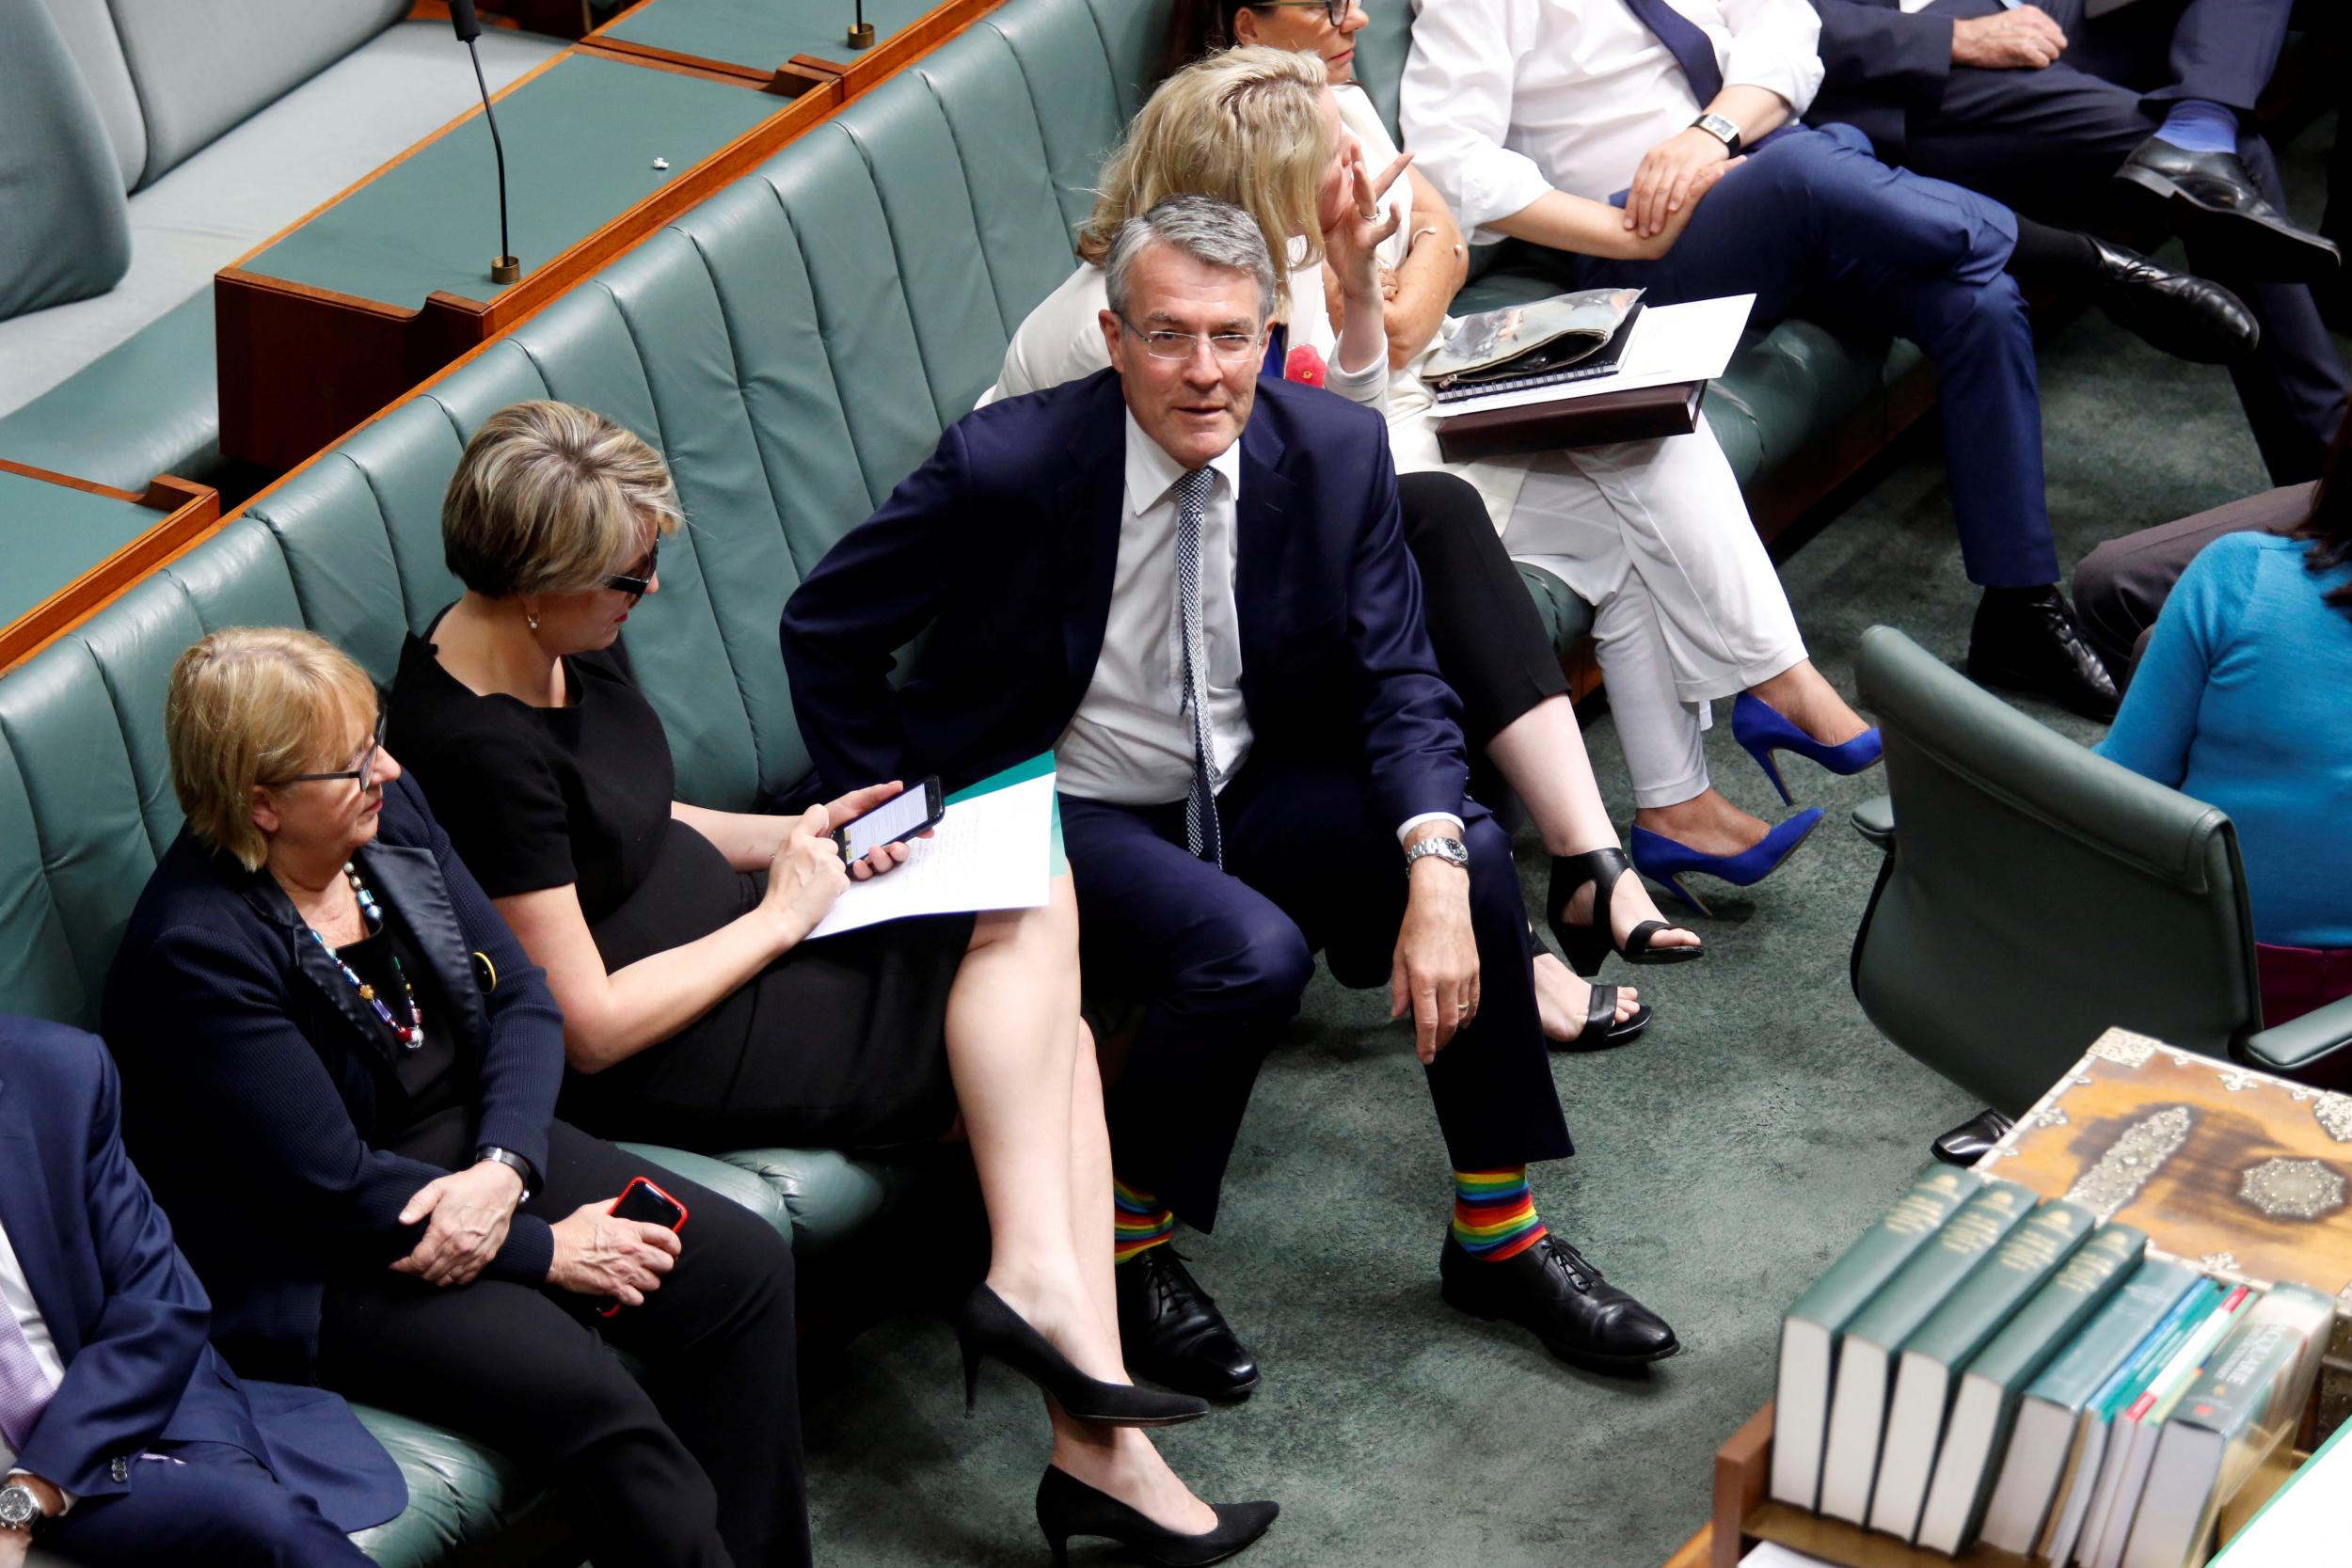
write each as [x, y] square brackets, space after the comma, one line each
[987, 1326]
[1067, 1506]
[1585, 946]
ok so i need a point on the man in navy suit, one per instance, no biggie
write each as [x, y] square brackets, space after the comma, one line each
[123, 1437]
[2063, 107]
[1190, 585]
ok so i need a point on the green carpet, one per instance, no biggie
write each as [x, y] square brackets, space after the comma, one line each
[1722, 1161]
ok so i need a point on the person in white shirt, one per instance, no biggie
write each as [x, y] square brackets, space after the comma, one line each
[1654, 534]
[1538, 119]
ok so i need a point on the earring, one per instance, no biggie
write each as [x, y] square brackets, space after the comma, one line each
[529, 620]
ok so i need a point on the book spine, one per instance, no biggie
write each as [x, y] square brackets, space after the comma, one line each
[1846, 1284]
[2091, 1358]
[1976, 1310]
[1916, 1289]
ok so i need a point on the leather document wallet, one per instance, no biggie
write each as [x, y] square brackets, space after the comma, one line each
[1636, 414]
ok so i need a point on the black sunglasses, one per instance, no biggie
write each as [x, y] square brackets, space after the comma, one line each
[638, 579]
[364, 772]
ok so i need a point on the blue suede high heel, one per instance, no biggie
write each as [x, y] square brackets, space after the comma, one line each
[1667, 861]
[1761, 727]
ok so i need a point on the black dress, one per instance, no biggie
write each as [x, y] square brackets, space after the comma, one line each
[840, 1043]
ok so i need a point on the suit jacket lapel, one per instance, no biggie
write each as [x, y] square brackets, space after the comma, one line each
[1089, 510]
[1262, 536]
[408, 880]
[27, 1212]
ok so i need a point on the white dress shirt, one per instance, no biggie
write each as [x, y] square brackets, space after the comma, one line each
[1130, 742]
[1505, 99]
[16, 1299]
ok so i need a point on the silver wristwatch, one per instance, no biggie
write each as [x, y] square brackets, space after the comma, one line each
[19, 1508]
[1450, 850]
[1722, 130]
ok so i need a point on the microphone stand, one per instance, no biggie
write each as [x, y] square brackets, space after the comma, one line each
[506, 269]
[861, 31]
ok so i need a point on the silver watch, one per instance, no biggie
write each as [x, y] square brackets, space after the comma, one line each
[19, 1508]
[1450, 850]
[1722, 130]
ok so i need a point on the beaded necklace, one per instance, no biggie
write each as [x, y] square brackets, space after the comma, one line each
[411, 1034]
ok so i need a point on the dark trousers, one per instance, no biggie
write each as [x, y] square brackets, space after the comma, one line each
[2121, 587]
[699, 1467]
[1222, 957]
[216, 1508]
[1491, 642]
[1814, 226]
[2046, 142]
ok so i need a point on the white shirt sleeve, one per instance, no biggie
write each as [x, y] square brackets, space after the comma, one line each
[1776, 45]
[1061, 339]
[1412, 822]
[1454, 105]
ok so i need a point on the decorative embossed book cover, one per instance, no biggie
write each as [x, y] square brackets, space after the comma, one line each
[2246, 1176]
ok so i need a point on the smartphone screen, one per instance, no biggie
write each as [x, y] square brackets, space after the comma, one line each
[891, 820]
[644, 1201]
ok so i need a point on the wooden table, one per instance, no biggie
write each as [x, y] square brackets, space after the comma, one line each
[72, 545]
[786, 47]
[341, 313]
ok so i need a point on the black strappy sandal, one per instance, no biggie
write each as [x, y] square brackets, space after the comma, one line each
[1586, 946]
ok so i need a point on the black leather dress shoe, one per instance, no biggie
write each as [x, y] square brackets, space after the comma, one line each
[2185, 315]
[1550, 1289]
[1970, 1141]
[1173, 1332]
[2025, 639]
[2209, 200]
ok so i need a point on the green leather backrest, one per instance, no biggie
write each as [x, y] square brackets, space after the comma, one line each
[1380, 51]
[793, 346]
[2037, 893]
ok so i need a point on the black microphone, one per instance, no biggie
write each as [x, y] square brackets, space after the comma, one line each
[506, 269]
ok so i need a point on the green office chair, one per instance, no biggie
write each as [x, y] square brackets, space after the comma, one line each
[2035, 893]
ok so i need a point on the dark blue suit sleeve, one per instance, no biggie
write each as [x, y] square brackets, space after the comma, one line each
[1876, 51]
[885, 580]
[523, 1068]
[237, 1064]
[135, 1362]
[1412, 721]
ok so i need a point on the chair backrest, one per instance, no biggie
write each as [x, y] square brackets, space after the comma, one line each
[793, 347]
[1380, 51]
[2037, 893]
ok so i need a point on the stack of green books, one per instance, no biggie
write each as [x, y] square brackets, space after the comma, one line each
[1980, 1365]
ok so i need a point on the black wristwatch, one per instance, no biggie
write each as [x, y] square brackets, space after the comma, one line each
[1722, 130]
[513, 1161]
[19, 1508]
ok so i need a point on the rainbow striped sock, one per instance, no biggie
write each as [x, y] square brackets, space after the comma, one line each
[1494, 1213]
[1140, 1221]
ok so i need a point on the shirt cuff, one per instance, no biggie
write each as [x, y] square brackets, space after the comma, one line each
[1795, 78]
[1497, 183]
[1412, 822]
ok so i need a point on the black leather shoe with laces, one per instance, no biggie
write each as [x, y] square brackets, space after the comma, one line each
[1552, 1290]
[1172, 1333]
[2210, 200]
[2176, 313]
[2026, 639]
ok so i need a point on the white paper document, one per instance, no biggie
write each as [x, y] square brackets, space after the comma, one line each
[1767, 1555]
[992, 852]
[1692, 342]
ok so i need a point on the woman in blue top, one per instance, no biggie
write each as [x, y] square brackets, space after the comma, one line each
[2241, 701]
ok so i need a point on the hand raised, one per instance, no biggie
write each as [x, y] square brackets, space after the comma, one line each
[1352, 243]
[597, 1255]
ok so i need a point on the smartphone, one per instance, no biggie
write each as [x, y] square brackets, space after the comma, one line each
[644, 1201]
[917, 811]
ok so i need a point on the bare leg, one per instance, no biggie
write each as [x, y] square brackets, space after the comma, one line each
[1806, 700]
[1542, 753]
[1013, 1038]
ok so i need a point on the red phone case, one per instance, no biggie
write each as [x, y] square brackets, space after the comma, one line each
[652, 1186]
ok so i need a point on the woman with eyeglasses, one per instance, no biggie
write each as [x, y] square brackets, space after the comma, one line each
[1654, 535]
[340, 1077]
[674, 938]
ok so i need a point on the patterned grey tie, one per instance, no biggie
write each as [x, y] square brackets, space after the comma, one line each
[25, 1392]
[1202, 836]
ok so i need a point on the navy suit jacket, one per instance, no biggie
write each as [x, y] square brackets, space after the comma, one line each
[254, 1072]
[126, 1312]
[999, 551]
[1880, 66]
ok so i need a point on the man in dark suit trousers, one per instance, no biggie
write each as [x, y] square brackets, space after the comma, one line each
[1190, 585]
[124, 1438]
[2065, 107]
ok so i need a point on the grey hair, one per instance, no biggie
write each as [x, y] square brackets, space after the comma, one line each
[1215, 232]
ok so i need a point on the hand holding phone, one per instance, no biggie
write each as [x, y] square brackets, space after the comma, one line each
[644, 1202]
[910, 814]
